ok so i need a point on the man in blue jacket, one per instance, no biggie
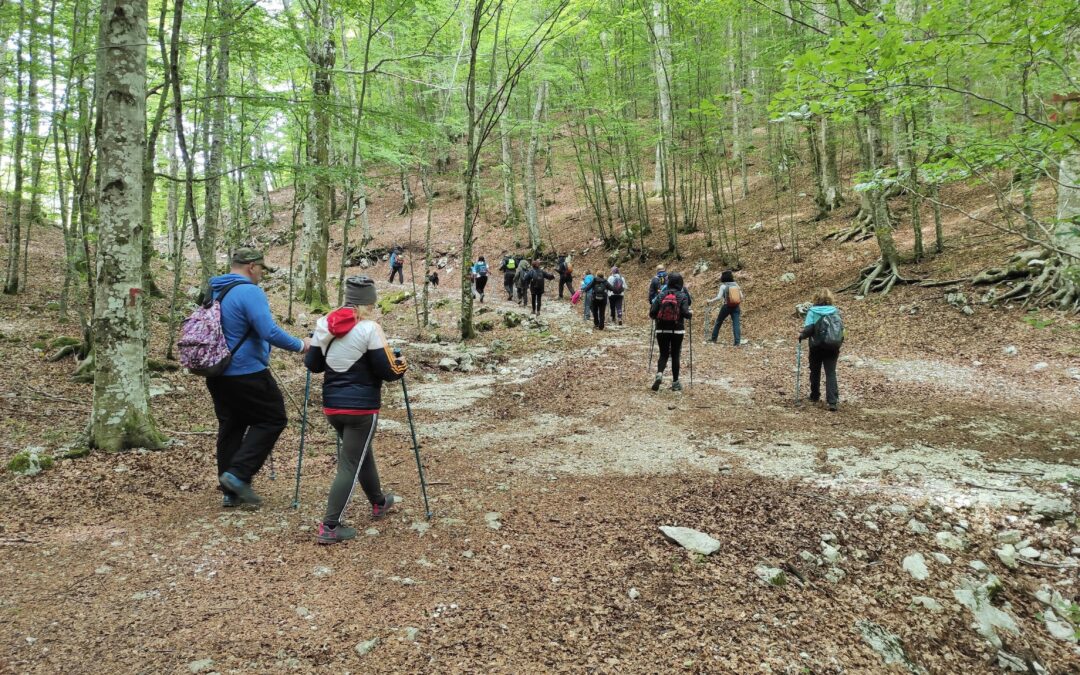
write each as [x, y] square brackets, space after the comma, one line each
[247, 402]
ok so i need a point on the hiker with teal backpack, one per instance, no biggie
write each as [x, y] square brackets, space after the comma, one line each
[586, 296]
[825, 329]
[480, 276]
[730, 298]
[670, 310]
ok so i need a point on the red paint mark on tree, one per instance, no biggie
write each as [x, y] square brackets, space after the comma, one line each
[133, 294]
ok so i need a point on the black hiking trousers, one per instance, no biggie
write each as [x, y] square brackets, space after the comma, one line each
[508, 285]
[251, 415]
[566, 282]
[824, 357]
[670, 345]
[537, 298]
[599, 311]
[399, 272]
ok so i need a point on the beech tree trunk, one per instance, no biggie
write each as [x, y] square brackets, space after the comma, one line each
[11, 281]
[532, 220]
[120, 417]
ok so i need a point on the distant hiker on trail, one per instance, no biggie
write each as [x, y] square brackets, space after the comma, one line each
[397, 264]
[670, 310]
[617, 285]
[480, 276]
[566, 276]
[509, 269]
[433, 278]
[586, 297]
[658, 282]
[825, 329]
[352, 351]
[598, 290]
[730, 299]
[247, 402]
[521, 281]
[536, 285]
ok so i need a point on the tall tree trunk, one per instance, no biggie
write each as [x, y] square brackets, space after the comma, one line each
[218, 92]
[661, 30]
[885, 273]
[510, 209]
[120, 417]
[149, 174]
[531, 214]
[11, 281]
[830, 174]
[736, 73]
[35, 150]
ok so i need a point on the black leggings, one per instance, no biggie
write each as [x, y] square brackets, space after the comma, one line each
[537, 296]
[399, 273]
[670, 345]
[481, 284]
[824, 358]
[616, 307]
[599, 311]
[357, 433]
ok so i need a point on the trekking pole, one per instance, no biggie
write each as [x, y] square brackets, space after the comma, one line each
[798, 373]
[415, 444]
[691, 351]
[273, 470]
[652, 337]
[303, 431]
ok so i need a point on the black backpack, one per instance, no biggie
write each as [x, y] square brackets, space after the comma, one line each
[829, 331]
[669, 307]
[536, 280]
[599, 290]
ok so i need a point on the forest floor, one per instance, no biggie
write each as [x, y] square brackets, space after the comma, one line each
[551, 467]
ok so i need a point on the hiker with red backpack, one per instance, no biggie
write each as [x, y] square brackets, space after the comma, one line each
[670, 310]
[618, 286]
[247, 401]
[598, 291]
[352, 351]
[730, 298]
[825, 329]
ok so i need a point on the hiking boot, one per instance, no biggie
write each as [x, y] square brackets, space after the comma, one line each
[656, 382]
[389, 501]
[676, 386]
[833, 407]
[244, 493]
[229, 501]
[334, 535]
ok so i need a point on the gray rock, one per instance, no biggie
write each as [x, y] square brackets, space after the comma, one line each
[322, 571]
[372, 532]
[787, 277]
[411, 633]
[941, 558]
[1007, 555]
[979, 566]
[988, 619]
[492, 520]
[756, 226]
[303, 612]
[201, 665]
[634, 593]
[1010, 350]
[830, 553]
[772, 576]
[950, 541]
[1052, 507]
[365, 647]
[468, 555]
[1029, 552]
[898, 510]
[420, 527]
[834, 575]
[917, 527]
[915, 565]
[692, 540]
[887, 645]
[927, 602]
[1009, 536]
[448, 364]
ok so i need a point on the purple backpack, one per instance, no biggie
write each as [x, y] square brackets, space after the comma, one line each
[203, 349]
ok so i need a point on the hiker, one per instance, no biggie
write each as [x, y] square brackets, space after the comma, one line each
[480, 276]
[598, 290]
[397, 264]
[352, 351]
[521, 281]
[730, 299]
[566, 276]
[617, 285]
[825, 329]
[658, 282]
[586, 297]
[509, 269]
[670, 309]
[536, 285]
[247, 402]
[433, 278]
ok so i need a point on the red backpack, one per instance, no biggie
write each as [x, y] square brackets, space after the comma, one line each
[669, 308]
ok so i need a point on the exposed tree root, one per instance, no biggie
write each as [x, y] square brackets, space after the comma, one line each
[860, 230]
[878, 278]
[1045, 280]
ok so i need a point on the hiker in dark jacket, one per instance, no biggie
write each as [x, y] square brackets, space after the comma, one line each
[352, 351]
[508, 267]
[397, 265]
[822, 355]
[536, 285]
[670, 310]
[247, 402]
[598, 292]
[521, 281]
[566, 276]
[730, 299]
[657, 283]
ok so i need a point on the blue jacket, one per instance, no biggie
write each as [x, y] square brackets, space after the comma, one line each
[246, 308]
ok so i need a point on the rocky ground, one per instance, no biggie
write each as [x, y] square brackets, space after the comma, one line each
[928, 526]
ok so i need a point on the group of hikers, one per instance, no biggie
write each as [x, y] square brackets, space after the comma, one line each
[349, 347]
